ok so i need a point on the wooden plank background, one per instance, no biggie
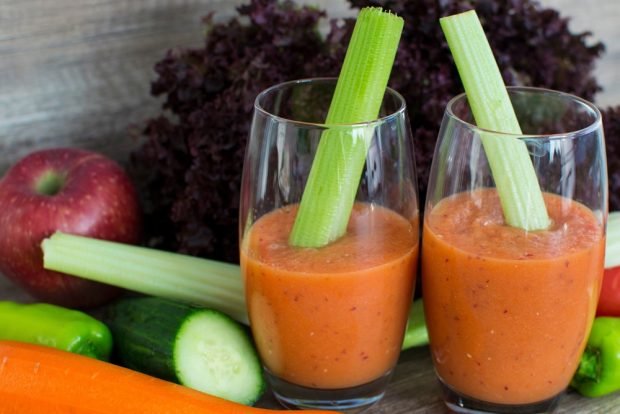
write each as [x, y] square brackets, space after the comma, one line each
[77, 72]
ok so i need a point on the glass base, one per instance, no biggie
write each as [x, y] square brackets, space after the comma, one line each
[350, 400]
[462, 404]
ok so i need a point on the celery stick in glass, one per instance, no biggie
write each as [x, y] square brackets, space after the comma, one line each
[511, 166]
[330, 191]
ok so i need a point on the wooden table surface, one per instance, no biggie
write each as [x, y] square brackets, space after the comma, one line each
[77, 73]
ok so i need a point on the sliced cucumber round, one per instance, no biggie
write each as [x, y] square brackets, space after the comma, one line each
[200, 348]
[214, 354]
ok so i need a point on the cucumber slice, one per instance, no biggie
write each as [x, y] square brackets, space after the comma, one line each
[200, 348]
[213, 353]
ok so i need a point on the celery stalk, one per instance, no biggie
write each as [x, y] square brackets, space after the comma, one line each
[169, 275]
[612, 241]
[416, 333]
[334, 176]
[515, 178]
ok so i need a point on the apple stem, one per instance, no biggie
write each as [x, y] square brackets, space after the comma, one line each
[50, 183]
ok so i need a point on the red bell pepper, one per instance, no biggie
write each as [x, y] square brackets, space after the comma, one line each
[609, 302]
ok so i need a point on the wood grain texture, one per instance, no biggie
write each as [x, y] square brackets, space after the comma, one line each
[77, 72]
[601, 18]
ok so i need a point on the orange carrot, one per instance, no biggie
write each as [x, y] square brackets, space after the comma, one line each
[35, 379]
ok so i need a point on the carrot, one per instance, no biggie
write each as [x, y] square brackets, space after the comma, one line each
[35, 379]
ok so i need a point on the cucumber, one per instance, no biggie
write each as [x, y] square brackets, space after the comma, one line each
[200, 348]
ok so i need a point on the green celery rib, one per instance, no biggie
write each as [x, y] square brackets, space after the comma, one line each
[612, 241]
[334, 176]
[416, 333]
[169, 275]
[515, 178]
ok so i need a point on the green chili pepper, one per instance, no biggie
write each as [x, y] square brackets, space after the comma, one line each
[599, 369]
[50, 325]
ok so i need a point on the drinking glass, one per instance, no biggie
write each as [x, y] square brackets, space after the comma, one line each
[328, 322]
[509, 310]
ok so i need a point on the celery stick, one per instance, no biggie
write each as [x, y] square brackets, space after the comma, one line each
[512, 169]
[169, 275]
[612, 241]
[416, 333]
[334, 176]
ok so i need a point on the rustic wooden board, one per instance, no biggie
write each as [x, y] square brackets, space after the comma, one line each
[601, 18]
[78, 72]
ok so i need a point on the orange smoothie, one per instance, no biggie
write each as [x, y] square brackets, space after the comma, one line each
[509, 311]
[332, 317]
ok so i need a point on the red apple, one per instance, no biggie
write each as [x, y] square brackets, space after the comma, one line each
[71, 190]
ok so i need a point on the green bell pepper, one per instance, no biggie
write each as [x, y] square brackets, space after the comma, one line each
[599, 369]
[50, 325]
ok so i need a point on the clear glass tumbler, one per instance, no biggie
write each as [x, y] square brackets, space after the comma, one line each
[328, 322]
[509, 310]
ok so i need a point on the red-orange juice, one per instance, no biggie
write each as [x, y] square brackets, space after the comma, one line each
[509, 311]
[332, 317]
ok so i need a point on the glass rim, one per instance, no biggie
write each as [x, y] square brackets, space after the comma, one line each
[591, 127]
[381, 120]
